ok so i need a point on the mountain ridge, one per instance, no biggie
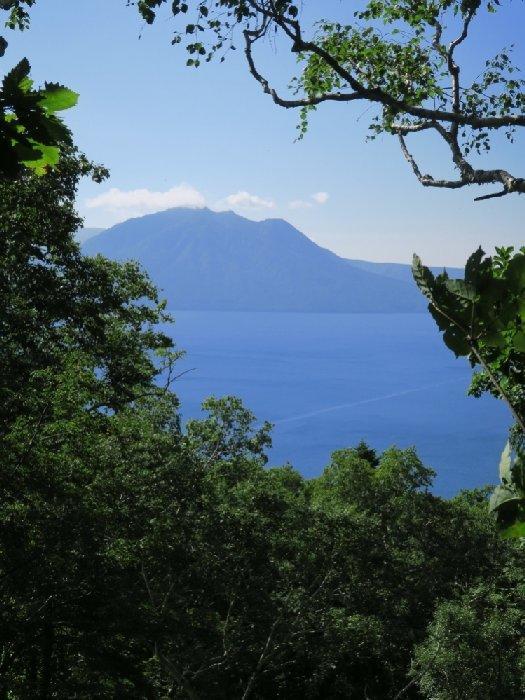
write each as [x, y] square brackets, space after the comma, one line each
[205, 260]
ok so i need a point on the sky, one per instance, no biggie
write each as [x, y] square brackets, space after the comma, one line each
[174, 136]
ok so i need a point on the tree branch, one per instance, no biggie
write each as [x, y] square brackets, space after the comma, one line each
[250, 37]
[427, 180]
[469, 175]
[454, 69]
[501, 193]
[445, 122]
[292, 29]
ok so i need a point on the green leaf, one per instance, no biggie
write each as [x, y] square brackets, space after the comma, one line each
[31, 133]
[474, 266]
[56, 98]
[518, 472]
[147, 13]
[456, 341]
[502, 496]
[461, 289]
[16, 75]
[46, 157]
[505, 464]
[423, 277]
[494, 338]
[516, 273]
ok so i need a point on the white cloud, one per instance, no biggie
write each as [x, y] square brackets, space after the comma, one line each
[245, 200]
[320, 197]
[127, 203]
[300, 204]
[317, 198]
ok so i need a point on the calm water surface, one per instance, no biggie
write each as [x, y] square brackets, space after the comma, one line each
[329, 380]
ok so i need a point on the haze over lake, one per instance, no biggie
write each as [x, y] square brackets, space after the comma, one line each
[329, 380]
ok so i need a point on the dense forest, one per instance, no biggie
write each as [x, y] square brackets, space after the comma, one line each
[143, 559]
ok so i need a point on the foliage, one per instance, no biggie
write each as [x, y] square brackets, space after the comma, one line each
[55, 300]
[508, 499]
[482, 316]
[18, 17]
[153, 571]
[399, 57]
[476, 644]
[31, 134]
[138, 559]
[77, 400]
[311, 588]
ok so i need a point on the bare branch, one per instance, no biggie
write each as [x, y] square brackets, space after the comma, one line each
[260, 662]
[469, 175]
[405, 129]
[501, 193]
[405, 689]
[427, 180]
[436, 41]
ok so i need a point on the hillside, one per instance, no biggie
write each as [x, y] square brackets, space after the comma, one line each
[83, 234]
[221, 261]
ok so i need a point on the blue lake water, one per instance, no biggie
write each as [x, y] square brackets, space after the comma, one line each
[329, 380]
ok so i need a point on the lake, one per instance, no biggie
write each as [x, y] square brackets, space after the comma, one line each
[328, 381]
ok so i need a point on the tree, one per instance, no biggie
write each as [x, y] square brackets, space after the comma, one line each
[400, 57]
[79, 355]
[475, 645]
[267, 585]
[56, 301]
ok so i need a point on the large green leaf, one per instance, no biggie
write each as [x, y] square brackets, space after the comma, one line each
[461, 289]
[45, 157]
[516, 273]
[521, 308]
[505, 464]
[56, 98]
[455, 340]
[12, 80]
[473, 265]
[423, 277]
[518, 472]
[31, 135]
[503, 496]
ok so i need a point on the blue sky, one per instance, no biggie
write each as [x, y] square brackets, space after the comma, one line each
[172, 135]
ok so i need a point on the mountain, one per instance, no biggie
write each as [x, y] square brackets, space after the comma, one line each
[83, 234]
[221, 261]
